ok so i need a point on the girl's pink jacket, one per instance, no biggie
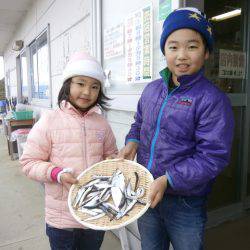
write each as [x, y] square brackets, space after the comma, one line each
[65, 138]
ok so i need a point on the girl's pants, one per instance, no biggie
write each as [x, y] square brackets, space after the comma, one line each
[176, 219]
[74, 239]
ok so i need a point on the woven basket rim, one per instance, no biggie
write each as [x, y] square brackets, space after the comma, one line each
[111, 227]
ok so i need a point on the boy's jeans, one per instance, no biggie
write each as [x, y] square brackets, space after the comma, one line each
[74, 239]
[176, 219]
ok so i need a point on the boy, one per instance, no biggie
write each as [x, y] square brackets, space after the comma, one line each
[182, 133]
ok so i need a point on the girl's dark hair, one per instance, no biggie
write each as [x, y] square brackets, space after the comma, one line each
[102, 99]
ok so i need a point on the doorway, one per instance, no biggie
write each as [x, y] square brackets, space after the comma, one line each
[227, 69]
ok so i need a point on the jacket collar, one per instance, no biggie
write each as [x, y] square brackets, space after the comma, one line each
[185, 80]
[67, 107]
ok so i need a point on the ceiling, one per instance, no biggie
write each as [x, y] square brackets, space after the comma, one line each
[11, 14]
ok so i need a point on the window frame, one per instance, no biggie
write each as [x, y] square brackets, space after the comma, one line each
[20, 77]
[37, 101]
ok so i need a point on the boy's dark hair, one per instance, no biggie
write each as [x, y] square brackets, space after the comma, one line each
[205, 44]
[204, 41]
[102, 99]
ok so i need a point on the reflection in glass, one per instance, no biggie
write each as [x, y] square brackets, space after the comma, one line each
[40, 68]
[226, 66]
[226, 189]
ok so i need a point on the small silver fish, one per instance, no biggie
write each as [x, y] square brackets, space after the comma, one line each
[88, 190]
[93, 203]
[129, 207]
[78, 196]
[92, 212]
[96, 217]
[117, 196]
[92, 182]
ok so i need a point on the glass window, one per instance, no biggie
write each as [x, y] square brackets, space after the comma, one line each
[227, 65]
[24, 78]
[226, 68]
[227, 187]
[7, 79]
[39, 58]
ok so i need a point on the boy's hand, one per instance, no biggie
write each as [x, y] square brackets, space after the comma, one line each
[157, 190]
[129, 151]
[67, 179]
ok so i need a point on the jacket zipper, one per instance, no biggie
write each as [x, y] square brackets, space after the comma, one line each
[84, 148]
[157, 131]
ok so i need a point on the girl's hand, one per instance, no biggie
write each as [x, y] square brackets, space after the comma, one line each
[157, 190]
[129, 151]
[67, 179]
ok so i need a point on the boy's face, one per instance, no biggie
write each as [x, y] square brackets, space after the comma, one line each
[185, 52]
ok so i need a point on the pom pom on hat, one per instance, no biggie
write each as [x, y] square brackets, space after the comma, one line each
[82, 64]
[187, 18]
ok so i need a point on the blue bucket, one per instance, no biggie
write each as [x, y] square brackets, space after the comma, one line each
[2, 103]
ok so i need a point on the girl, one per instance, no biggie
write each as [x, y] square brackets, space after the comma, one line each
[66, 141]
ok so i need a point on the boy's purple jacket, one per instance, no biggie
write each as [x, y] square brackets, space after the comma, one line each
[185, 133]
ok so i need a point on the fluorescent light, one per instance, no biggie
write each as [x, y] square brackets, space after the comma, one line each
[227, 15]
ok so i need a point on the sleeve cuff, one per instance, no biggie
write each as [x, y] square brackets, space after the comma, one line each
[54, 173]
[133, 140]
[64, 170]
[169, 179]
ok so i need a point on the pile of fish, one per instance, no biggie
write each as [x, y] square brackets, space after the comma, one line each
[108, 195]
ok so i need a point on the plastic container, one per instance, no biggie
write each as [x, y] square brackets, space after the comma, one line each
[21, 140]
[23, 115]
[20, 136]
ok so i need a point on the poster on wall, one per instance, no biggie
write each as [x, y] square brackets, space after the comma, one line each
[138, 49]
[114, 41]
[166, 7]
[232, 64]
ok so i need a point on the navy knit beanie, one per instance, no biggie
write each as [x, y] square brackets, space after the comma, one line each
[187, 18]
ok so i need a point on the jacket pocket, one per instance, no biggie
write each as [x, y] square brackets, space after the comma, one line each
[95, 143]
[54, 190]
[178, 123]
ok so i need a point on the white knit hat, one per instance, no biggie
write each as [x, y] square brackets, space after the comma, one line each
[82, 64]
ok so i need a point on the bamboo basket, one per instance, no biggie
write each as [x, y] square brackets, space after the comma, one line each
[107, 167]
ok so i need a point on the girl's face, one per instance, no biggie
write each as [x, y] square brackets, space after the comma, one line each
[185, 53]
[84, 92]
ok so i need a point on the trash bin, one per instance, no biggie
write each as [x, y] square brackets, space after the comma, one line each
[20, 136]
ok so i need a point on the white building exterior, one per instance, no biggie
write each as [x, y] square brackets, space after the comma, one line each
[80, 25]
[102, 28]
[70, 26]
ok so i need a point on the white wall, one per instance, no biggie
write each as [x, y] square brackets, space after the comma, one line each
[125, 96]
[71, 30]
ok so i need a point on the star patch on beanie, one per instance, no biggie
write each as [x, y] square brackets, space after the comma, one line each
[82, 64]
[187, 18]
